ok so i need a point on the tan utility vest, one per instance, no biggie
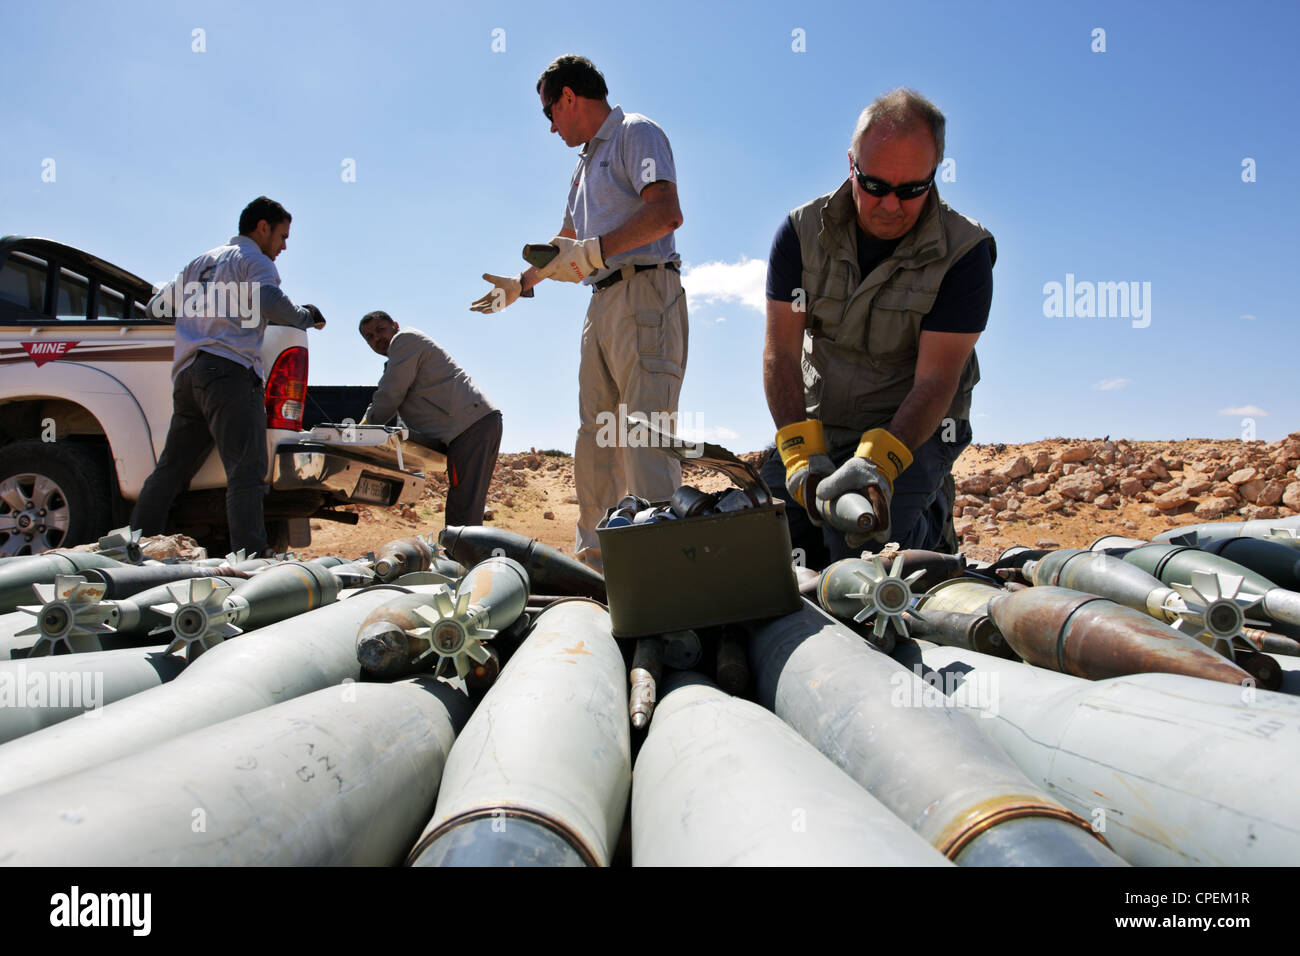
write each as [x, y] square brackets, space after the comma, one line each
[861, 334]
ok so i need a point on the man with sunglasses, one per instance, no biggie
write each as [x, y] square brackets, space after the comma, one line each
[876, 294]
[617, 238]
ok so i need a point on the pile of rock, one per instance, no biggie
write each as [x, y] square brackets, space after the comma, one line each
[1208, 480]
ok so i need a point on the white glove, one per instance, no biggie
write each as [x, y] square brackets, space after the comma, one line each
[505, 289]
[577, 259]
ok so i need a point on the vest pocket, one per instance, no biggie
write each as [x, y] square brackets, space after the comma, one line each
[825, 297]
[895, 328]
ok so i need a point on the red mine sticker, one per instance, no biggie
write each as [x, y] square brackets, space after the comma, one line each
[42, 352]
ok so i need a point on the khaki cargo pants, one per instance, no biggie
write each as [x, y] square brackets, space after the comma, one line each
[633, 358]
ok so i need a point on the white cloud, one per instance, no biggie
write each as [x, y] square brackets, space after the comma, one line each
[721, 318]
[1253, 411]
[1110, 384]
[744, 282]
[1248, 316]
[716, 434]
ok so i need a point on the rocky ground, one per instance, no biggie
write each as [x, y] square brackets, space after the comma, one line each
[1060, 492]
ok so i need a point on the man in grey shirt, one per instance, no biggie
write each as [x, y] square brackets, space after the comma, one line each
[222, 303]
[617, 238]
[441, 406]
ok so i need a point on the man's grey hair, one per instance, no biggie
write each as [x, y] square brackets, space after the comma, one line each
[901, 111]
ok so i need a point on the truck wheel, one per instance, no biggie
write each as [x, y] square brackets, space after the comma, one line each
[52, 495]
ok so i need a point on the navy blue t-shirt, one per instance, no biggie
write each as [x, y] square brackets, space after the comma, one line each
[962, 304]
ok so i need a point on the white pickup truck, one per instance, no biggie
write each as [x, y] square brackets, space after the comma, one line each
[85, 402]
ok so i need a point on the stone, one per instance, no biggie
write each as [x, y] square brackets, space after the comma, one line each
[1242, 475]
[179, 546]
[1172, 500]
[974, 485]
[1130, 486]
[1080, 486]
[1212, 508]
[1254, 512]
[1291, 496]
[1251, 490]
[1106, 502]
[1018, 467]
[1043, 461]
[1035, 486]
[1271, 493]
[1076, 454]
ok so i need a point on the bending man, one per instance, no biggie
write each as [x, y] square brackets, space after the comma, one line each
[876, 294]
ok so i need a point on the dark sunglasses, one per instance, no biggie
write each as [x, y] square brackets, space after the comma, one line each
[546, 110]
[880, 189]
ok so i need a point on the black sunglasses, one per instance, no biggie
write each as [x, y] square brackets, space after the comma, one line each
[879, 188]
[546, 110]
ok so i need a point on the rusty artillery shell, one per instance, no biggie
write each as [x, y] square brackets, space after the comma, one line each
[1087, 636]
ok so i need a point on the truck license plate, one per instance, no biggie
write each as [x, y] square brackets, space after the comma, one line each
[373, 491]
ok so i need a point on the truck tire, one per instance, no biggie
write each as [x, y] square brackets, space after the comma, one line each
[52, 495]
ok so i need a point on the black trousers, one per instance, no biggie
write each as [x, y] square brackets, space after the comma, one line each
[471, 459]
[215, 401]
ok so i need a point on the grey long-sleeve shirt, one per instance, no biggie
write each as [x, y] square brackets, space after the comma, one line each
[431, 392]
[222, 303]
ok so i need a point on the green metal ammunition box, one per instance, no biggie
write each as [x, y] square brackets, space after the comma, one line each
[703, 571]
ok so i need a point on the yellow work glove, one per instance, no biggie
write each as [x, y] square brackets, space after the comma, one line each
[876, 464]
[802, 447]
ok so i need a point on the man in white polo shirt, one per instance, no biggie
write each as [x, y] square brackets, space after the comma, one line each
[617, 238]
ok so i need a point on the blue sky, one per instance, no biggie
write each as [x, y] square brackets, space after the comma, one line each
[1117, 166]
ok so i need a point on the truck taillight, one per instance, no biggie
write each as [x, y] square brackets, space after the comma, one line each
[286, 390]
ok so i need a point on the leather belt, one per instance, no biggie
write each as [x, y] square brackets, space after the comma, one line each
[622, 274]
